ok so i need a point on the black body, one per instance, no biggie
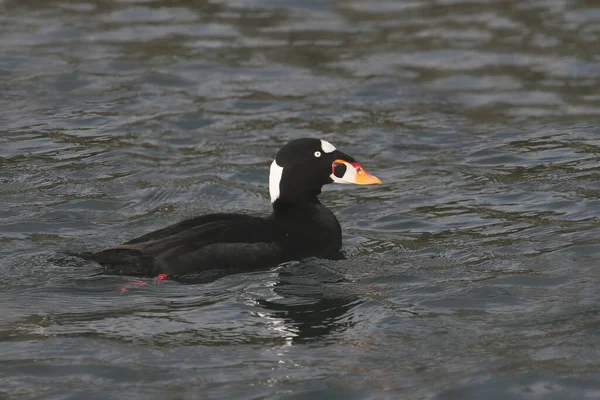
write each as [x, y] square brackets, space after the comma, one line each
[229, 241]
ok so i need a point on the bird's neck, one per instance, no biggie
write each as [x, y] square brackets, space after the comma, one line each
[311, 229]
[300, 216]
[284, 206]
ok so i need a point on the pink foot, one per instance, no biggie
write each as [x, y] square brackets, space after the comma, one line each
[158, 279]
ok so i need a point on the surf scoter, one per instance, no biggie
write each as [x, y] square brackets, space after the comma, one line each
[299, 227]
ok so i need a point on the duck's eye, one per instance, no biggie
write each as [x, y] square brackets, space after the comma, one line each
[317, 154]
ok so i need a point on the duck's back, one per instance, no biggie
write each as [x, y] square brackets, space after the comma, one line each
[216, 241]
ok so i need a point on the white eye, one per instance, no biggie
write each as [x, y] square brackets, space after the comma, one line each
[317, 153]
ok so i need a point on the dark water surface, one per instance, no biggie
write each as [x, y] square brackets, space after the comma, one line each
[472, 272]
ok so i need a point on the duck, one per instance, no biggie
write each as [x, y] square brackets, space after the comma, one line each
[299, 226]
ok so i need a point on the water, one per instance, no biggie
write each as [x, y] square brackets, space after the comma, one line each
[471, 273]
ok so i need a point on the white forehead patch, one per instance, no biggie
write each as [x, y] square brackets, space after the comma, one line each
[275, 180]
[327, 147]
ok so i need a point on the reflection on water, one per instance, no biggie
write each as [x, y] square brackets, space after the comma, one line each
[311, 301]
[471, 272]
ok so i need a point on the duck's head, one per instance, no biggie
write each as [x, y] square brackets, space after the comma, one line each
[303, 166]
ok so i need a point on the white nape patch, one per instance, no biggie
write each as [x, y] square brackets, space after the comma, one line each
[326, 146]
[275, 180]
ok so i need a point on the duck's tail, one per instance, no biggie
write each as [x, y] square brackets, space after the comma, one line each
[121, 261]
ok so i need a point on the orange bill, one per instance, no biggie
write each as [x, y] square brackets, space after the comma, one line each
[355, 173]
